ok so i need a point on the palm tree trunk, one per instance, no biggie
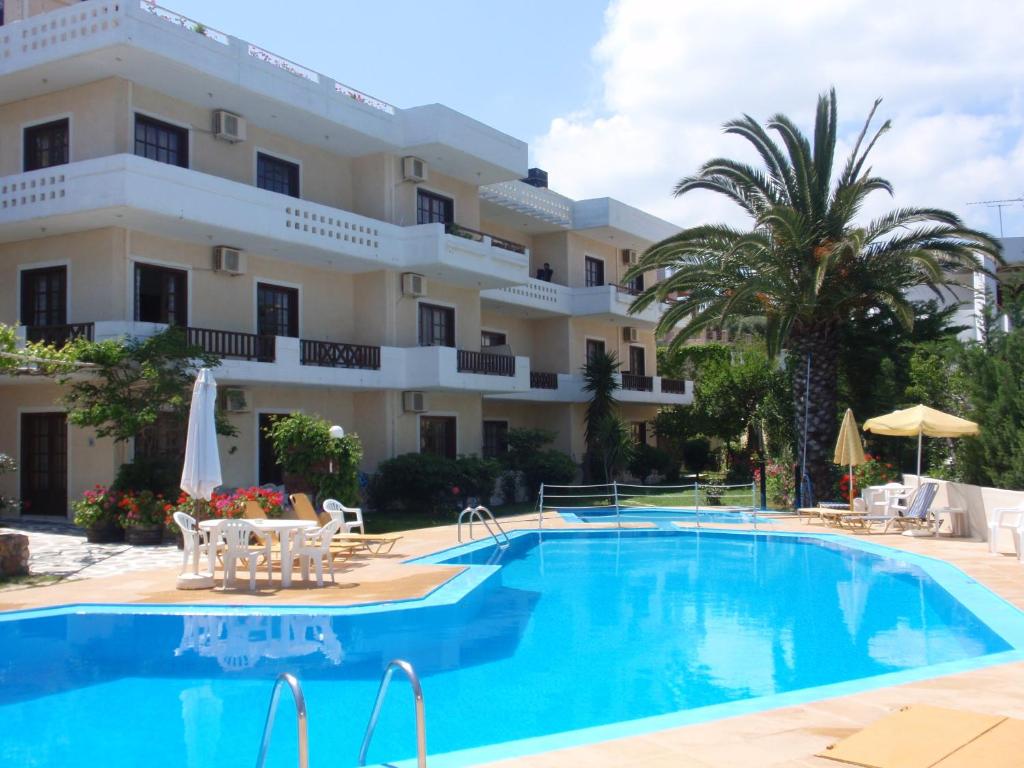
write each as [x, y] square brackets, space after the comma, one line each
[814, 401]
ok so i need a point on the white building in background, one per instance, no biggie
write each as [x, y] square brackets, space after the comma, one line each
[384, 268]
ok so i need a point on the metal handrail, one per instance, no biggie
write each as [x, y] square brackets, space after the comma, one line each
[300, 712]
[417, 694]
[477, 512]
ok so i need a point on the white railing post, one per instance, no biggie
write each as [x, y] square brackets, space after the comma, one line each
[540, 508]
[615, 496]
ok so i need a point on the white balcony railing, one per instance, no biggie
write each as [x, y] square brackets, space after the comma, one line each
[606, 300]
[133, 192]
[569, 389]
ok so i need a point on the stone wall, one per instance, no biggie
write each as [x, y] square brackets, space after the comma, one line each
[13, 553]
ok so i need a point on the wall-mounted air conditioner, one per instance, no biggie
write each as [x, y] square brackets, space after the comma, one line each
[234, 400]
[413, 284]
[629, 333]
[629, 257]
[414, 169]
[229, 260]
[228, 126]
[414, 402]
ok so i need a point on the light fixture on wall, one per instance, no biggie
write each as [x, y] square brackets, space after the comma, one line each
[336, 433]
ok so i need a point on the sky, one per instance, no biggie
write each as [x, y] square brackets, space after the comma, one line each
[623, 98]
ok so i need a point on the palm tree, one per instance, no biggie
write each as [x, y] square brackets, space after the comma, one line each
[807, 266]
[599, 380]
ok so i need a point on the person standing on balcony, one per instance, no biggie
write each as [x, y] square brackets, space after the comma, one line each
[545, 273]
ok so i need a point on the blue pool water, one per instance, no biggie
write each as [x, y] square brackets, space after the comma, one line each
[566, 632]
[662, 517]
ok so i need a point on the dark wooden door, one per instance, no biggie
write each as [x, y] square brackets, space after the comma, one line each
[637, 363]
[269, 469]
[44, 464]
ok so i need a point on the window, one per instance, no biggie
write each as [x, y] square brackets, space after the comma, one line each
[277, 175]
[492, 339]
[46, 145]
[161, 295]
[637, 362]
[161, 141]
[639, 431]
[437, 326]
[636, 285]
[495, 439]
[437, 435]
[432, 208]
[277, 310]
[595, 347]
[44, 296]
[593, 271]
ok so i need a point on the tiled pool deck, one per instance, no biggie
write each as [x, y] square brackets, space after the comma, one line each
[790, 736]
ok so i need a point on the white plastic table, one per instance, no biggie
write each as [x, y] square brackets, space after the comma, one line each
[283, 529]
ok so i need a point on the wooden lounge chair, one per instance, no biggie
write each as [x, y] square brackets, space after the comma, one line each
[377, 544]
[304, 509]
[253, 511]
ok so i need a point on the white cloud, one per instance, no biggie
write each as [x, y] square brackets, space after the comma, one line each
[950, 73]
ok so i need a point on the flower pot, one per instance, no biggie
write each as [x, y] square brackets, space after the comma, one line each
[144, 535]
[107, 532]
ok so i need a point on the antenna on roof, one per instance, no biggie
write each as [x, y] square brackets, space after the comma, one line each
[999, 205]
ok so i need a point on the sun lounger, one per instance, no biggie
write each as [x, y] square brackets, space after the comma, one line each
[304, 509]
[378, 544]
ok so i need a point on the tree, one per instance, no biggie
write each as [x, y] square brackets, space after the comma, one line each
[130, 382]
[599, 380]
[305, 449]
[806, 265]
[528, 459]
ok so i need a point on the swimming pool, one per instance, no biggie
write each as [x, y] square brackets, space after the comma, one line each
[565, 637]
[664, 517]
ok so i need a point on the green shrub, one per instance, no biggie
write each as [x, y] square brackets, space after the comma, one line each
[648, 459]
[161, 476]
[305, 449]
[697, 454]
[528, 460]
[423, 482]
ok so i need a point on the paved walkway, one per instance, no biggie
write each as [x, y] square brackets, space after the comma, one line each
[60, 549]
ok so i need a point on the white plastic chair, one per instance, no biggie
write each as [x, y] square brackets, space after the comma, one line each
[314, 548]
[337, 510]
[236, 535]
[1012, 519]
[197, 542]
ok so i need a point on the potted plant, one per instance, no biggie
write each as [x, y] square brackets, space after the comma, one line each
[220, 506]
[142, 515]
[97, 512]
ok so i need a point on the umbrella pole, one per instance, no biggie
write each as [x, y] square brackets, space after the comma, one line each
[920, 433]
[852, 486]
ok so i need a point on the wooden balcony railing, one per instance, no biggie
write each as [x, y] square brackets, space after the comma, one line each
[632, 290]
[486, 363]
[673, 386]
[472, 234]
[59, 335]
[235, 344]
[331, 354]
[543, 380]
[637, 383]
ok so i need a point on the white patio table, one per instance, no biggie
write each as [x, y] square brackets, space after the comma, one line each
[283, 529]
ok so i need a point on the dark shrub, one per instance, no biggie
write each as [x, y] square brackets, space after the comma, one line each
[428, 483]
[161, 476]
[697, 454]
[527, 459]
[648, 459]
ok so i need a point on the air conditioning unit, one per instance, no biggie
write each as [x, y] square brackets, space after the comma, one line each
[629, 257]
[414, 402]
[629, 333]
[234, 400]
[228, 126]
[229, 260]
[413, 284]
[414, 169]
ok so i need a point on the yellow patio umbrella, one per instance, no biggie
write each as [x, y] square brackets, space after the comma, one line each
[849, 450]
[918, 422]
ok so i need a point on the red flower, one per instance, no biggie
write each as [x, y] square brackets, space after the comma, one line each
[455, 491]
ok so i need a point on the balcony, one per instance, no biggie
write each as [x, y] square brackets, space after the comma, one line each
[568, 388]
[136, 193]
[170, 53]
[540, 298]
[485, 363]
[59, 335]
[543, 380]
[471, 234]
[331, 354]
[233, 345]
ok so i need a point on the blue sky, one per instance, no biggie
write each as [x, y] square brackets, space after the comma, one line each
[514, 65]
[621, 98]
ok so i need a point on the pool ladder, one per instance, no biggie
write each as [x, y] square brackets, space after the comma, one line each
[300, 711]
[483, 514]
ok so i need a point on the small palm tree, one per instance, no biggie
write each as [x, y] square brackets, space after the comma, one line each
[600, 382]
[807, 266]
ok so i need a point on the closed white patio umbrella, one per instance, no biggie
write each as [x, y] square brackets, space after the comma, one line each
[200, 474]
